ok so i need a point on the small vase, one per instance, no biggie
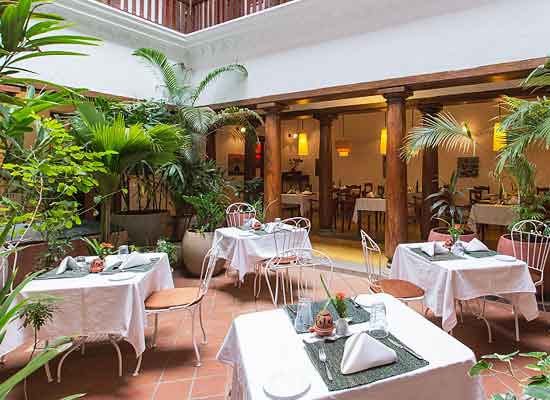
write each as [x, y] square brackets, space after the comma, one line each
[342, 326]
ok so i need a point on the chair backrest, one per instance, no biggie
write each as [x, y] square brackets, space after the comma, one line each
[483, 188]
[531, 243]
[372, 257]
[291, 233]
[208, 266]
[380, 190]
[475, 195]
[305, 272]
[238, 213]
[355, 190]
[367, 188]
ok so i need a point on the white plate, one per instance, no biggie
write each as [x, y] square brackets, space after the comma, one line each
[122, 276]
[287, 385]
[502, 257]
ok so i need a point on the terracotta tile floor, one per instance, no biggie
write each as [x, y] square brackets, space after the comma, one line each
[168, 371]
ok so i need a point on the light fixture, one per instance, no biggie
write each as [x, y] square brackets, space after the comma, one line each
[343, 146]
[383, 141]
[499, 135]
[243, 129]
[294, 136]
[303, 146]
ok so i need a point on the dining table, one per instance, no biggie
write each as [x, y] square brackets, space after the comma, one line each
[95, 304]
[244, 249]
[302, 199]
[447, 278]
[260, 346]
[491, 214]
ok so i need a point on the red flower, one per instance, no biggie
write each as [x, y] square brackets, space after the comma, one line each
[105, 245]
[340, 296]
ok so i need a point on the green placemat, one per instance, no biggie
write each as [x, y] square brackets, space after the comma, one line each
[438, 257]
[482, 253]
[67, 274]
[137, 268]
[357, 315]
[406, 362]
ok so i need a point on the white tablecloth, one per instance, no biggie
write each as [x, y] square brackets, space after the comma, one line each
[303, 200]
[95, 305]
[244, 250]
[491, 214]
[260, 344]
[368, 204]
[445, 281]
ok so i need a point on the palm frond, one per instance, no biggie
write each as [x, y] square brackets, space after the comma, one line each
[212, 76]
[165, 69]
[240, 117]
[437, 131]
[539, 77]
[198, 119]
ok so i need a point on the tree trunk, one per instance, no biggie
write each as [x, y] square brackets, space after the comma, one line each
[105, 224]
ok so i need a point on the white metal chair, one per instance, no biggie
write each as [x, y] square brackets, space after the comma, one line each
[403, 290]
[184, 298]
[292, 233]
[238, 213]
[306, 265]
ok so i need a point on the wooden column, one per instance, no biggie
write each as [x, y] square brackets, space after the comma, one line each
[249, 162]
[430, 176]
[325, 171]
[396, 172]
[272, 161]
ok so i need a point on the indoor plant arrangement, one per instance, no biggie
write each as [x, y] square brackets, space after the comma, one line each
[536, 387]
[209, 210]
[338, 302]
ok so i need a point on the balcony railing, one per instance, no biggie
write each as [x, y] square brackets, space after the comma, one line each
[191, 15]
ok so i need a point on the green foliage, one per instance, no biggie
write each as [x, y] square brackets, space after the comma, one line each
[146, 112]
[97, 248]
[437, 131]
[534, 387]
[445, 206]
[209, 210]
[57, 249]
[38, 311]
[164, 246]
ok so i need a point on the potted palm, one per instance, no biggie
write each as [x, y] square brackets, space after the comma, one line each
[446, 210]
[125, 147]
[209, 210]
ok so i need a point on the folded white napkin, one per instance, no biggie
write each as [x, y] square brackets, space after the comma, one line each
[475, 245]
[114, 260]
[433, 248]
[68, 263]
[362, 352]
[135, 259]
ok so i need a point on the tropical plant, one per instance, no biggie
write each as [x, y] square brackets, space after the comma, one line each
[198, 121]
[536, 387]
[209, 210]
[124, 147]
[97, 248]
[164, 246]
[26, 33]
[445, 206]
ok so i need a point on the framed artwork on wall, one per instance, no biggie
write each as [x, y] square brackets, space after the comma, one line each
[468, 167]
[235, 164]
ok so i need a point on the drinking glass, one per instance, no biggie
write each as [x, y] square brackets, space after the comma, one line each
[123, 250]
[304, 315]
[378, 326]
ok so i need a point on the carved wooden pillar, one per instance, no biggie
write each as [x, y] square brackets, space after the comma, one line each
[249, 161]
[325, 170]
[396, 173]
[272, 161]
[430, 176]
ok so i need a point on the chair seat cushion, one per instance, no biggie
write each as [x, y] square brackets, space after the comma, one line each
[168, 298]
[397, 288]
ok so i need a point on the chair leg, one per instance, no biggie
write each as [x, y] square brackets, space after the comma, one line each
[83, 349]
[516, 322]
[155, 331]
[204, 339]
[138, 365]
[119, 355]
[266, 274]
[195, 346]
[62, 360]
[48, 371]
[283, 286]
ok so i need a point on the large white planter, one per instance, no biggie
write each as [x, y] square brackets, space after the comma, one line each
[194, 248]
[145, 228]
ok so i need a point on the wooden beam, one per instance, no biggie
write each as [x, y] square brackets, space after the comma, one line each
[272, 162]
[467, 76]
[396, 175]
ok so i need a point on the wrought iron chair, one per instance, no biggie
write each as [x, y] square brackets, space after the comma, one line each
[305, 265]
[291, 233]
[184, 298]
[379, 283]
[238, 213]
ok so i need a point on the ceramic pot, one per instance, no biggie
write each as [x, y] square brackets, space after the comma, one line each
[342, 326]
[441, 235]
[324, 324]
[194, 247]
